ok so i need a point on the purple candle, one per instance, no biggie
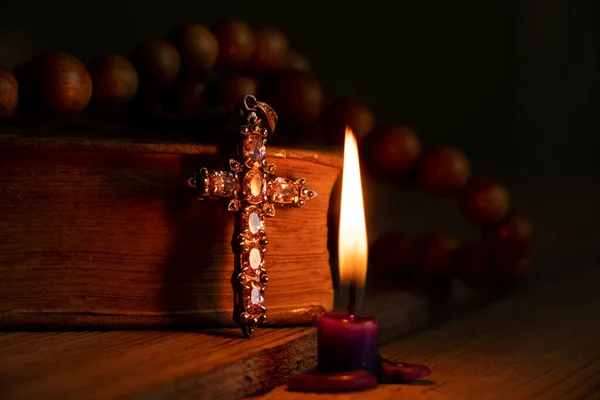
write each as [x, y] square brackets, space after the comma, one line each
[348, 356]
[347, 342]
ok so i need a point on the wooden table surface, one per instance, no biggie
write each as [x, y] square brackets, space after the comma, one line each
[541, 342]
[538, 344]
[129, 364]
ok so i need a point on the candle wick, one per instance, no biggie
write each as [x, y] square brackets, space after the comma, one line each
[352, 298]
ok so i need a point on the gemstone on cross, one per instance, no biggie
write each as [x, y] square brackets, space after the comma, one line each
[253, 191]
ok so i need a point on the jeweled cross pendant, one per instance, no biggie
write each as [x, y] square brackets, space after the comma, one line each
[253, 191]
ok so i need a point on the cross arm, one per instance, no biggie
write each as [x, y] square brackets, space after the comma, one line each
[289, 192]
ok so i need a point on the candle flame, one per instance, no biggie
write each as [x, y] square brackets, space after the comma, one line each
[352, 245]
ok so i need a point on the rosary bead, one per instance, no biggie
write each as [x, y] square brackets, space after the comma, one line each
[157, 62]
[299, 97]
[61, 84]
[511, 238]
[114, 79]
[352, 112]
[197, 46]
[230, 87]
[270, 52]
[296, 61]
[435, 255]
[236, 43]
[443, 171]
[484, 201]
[187, 96]
[393, 252]
[391, 150]
[9, 93]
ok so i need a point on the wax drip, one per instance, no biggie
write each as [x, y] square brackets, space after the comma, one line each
[386, 372]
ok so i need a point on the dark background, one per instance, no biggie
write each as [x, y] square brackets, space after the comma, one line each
[514, 83]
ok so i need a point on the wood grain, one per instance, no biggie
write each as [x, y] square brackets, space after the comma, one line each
[207, 364]
[538, 345]
[103, 233]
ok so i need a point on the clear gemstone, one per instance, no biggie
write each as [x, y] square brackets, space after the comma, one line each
[224, 183]
[254, 300]
[254, 223]
[255, 258]
[254, 186]
[255, 297]
[254, 148]
[283, 190]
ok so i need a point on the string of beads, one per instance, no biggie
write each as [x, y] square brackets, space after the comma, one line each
[197, 68]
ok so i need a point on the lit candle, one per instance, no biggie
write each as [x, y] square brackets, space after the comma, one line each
[338, 332]
[348, 355]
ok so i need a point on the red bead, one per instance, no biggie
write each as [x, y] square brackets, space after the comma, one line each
[512, 235]
[443, 171]
[236, 43]
[187, 96]
[115, 80]
[299, 97]
[296, 61]
[435, 255]
[511, 244]
[391, 149]
[270, 52]
[9, 93]
[157, 61]
[484, 201]
[60, 84]
[197, 46]
[352, 112]
[392, 252]
[231, 87]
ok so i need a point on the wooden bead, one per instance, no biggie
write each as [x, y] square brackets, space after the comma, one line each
[114, 79]
[299, 97]
[484, 201]
[443, 171]
[9, 93]
[236, 43]
[435, 255]
[391, 149]
[270, 52]
[511, 239]
[393, 252]
[296, 61]
[473, 265]
[187, 96]
[230, 87]
[352, 112]
[197, 46]
[61, 84]
[157, 62]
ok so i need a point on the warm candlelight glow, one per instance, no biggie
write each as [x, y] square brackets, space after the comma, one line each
[352, 246]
